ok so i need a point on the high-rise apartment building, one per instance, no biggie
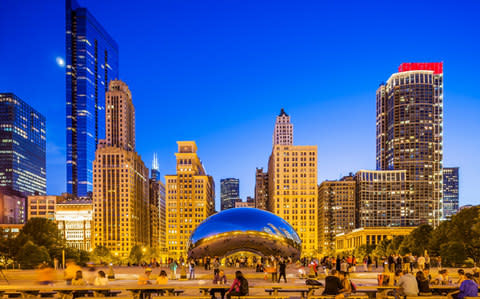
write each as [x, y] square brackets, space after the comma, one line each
[381, 199]
[91, 62]
[22, 147]
[450, 191]
[283, 131]
[336, 211]
[293, 194]
[261, 189]
[120, 180]
[190, 197]
[410, 136]
[229, 193]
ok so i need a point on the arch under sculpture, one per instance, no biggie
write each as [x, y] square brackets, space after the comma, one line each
[244, 229]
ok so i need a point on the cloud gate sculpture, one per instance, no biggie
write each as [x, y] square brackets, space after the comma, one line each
[244, 229]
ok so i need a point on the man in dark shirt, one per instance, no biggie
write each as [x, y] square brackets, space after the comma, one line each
[283, 270]
[333, 285]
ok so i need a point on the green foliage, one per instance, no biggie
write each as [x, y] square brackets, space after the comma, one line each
[42, 232]
[456, 240]
[136, 254]
[80, 256]
[418, 240]
[381, 249]
[101, 254]
[363, 250]
[32, 255]
[453, 253]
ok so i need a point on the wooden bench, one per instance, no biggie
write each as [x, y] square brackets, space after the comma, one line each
[12, 294]
[47, 294]
[260, 297]
[303, 292]
[426, 297]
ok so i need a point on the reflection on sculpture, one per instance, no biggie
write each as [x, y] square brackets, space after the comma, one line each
[244, 229]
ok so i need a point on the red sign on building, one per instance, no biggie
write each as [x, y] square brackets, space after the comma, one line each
[436, 67]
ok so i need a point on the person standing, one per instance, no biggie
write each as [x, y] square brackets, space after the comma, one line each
[282, 270]
[173, 268]
[421, 263]
[191, 268]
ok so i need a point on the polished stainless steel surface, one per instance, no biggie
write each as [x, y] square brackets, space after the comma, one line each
[244, 229]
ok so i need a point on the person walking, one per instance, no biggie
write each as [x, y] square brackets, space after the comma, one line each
[282, 270]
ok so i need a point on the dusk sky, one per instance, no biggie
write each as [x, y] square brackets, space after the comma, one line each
[218, 72]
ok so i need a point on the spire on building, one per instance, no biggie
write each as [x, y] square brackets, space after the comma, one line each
[283, 113]
[155, 162]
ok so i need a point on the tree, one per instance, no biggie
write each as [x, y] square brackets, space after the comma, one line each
[418, 240]
[101, 254]
[381, 249]
[32, 255]
[42, 232]
[395, 246]
[453, 253]
[136, 254]
[363, 250]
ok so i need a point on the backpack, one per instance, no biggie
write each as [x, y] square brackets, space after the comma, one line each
[313, 282]
[244, 287]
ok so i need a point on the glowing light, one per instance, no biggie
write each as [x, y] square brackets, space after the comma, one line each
[60, 61]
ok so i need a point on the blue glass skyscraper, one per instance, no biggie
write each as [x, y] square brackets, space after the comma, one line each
[450, 191]
[92, 61]
[22, 147]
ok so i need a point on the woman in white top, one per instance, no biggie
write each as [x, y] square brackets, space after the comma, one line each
[101, 279]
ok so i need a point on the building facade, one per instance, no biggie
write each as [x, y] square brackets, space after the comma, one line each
[249, 203]
[120, 180]
[91, 62]
[381, 199]
[75, 222]
[336, 211]
[12, 208]
[293, 193]
[190, 198]
[450, 191]
[283, 131]
[229, 193]
[410, 136]
[261, 189]
[22, 147]
[42, 206]
[371, 236]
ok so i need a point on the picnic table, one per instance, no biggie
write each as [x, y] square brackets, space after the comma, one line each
[372, 291]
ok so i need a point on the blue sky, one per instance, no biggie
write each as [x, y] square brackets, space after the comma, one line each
[218, 72]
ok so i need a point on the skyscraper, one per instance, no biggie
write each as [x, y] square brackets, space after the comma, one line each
[283, 131]
[261, 189]
[336, 211]
[410, 136]
[157, 207]
[22, 147]
[92, 61]
[120, 180]
[190, 198]
[292, 184]
[450, 191]
[381, 199]
[229, 193]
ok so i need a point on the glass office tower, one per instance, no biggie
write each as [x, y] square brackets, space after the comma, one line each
[450, 191]
[92, 61]
[229, 193]
[22, 147]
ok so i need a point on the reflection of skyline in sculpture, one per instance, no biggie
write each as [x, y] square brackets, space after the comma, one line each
[244, 229]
